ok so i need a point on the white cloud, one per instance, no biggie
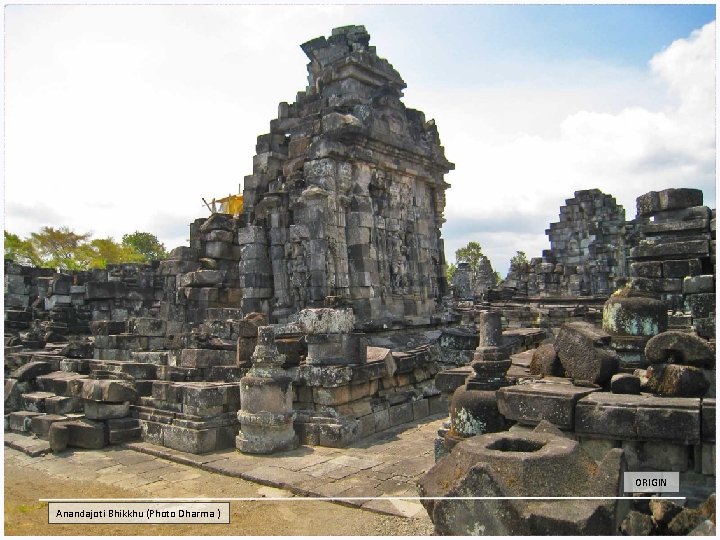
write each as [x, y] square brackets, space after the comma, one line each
[653, 142]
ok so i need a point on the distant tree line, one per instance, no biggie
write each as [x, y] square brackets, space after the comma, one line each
[64, 249]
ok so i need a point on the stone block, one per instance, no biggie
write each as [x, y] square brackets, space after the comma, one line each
[707, 419]
[326, 321]
[31, 371]
[324, 349]
[420, 408]
[689, 248]
[35, 401]
[202, 358]
[382, 419]
[97, 290]
[652, 269]
[528, 404]
[638, 417]
[85, 433]
[21, 420]
[103, 390]
[583, 352]
[699, 284]
[545, 361]
[654, 202]
[40, 425]
[61, 405]
[701, 305]
[681, 268]
[708, 459]
[58, 436]
[665, 456]
[400, 414]
[222, 250]
[101, 410]
[681, 347]
[625, 383]
[674, 380]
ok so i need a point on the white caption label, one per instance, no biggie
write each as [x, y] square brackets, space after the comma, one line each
[139, 512]
[651, 482]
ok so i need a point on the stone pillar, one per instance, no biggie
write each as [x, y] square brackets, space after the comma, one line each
[490, 336]
[266, 414]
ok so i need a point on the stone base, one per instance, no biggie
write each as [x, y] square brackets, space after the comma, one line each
[266, 443]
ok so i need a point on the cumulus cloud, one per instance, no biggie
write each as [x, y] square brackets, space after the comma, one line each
[642, 147]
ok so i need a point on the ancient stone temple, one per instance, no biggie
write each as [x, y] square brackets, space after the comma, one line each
[347, 195]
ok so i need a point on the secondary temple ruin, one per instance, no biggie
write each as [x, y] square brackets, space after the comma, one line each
[321, 315]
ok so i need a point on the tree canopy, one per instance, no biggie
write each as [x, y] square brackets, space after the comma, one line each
[519, 262]
[472, 254]
[64, 249]
[145, 244]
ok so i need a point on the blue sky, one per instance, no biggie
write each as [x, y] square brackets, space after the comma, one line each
[124, 117]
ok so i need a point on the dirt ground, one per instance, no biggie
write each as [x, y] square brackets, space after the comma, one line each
[25, 515]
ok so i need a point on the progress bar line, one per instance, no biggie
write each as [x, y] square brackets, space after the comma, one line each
[341, 498]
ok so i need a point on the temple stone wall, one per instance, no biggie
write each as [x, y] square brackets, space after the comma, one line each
[347, 195]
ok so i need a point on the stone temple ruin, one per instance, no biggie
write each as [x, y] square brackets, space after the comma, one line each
[321, 315]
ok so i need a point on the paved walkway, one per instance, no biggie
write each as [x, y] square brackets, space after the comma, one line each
[385, 464]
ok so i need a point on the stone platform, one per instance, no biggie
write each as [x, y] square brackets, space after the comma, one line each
[387, 464]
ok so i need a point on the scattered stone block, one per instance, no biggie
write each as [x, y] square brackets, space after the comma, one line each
[326, 321]
[58, 437]
[625, 383]
[545, 361]
[40, 425]
[528, 404]
[31, 371]
[674, 380]
[583, 352]
[84, 433]
[680, 347]
[637, 524]
[102, 410]
[21, 420]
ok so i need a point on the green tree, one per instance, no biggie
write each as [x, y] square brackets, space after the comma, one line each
[58, 248]
[146, 244]
[519, 262]
[472, 254]
[19, 250]
[103, 251]
[450, 271]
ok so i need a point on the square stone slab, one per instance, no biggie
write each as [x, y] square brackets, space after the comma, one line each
[530, 403]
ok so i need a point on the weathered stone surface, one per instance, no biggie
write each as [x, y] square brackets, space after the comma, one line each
[663, 511]
[699, 284]
[40, 425]
[680, 347]
[530, 403]
[706, 528]
[545, 361]
[654, 202]
[583, 352]
[58, 436]
[99, 410]
[85, 433]
[687, 520]
[104, 390]
[625, 383]
[674, 380]
[326, 321]
[31, 370]
[643, 417]
[637, 524]
[524, 465]
[708, 419]
[634, 316]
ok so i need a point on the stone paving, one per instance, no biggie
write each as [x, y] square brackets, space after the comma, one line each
[385, 464]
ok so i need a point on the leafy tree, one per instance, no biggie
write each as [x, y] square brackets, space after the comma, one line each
[450, 272]
[58, 248]
[472, 254]
[519, 262]
[146, 244]
[20, 251]
[103, 251]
